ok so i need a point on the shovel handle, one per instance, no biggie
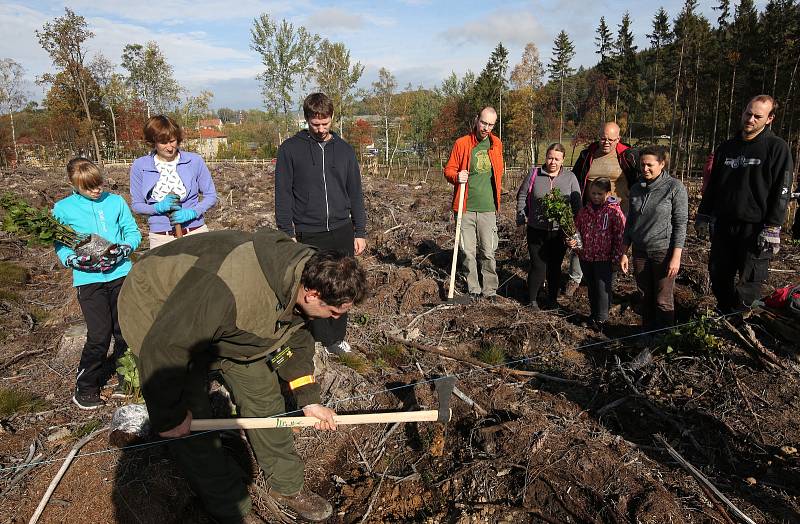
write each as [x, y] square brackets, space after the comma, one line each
[178, 230]
[211, 424]
[451, 288]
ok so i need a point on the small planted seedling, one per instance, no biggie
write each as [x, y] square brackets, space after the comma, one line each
[126, 368]
[39, 226]
[694, 338]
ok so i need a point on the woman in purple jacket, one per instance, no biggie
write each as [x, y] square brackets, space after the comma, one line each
[167, 184]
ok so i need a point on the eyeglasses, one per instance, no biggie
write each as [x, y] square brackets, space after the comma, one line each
[608, 140]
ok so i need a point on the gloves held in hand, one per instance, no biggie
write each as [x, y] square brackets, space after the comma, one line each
[770, 239]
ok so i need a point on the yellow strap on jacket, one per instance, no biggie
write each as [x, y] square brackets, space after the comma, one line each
[302, 381]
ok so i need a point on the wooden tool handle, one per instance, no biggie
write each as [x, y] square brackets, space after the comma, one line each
[211, 424]
[451, 289]
[178, 230]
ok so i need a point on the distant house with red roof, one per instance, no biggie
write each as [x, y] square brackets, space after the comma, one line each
[207, 138]
[210, 123]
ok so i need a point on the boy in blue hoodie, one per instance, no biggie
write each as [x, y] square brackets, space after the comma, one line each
[87, 210]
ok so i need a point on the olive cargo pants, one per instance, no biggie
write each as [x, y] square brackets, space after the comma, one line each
[215, 476]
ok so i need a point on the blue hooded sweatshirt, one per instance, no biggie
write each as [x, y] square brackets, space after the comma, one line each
[109, 217]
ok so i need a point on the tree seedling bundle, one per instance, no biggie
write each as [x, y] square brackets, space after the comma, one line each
[556, 208]
[39, 226]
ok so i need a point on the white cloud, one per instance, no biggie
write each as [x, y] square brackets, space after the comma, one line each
[177, 12]
[333, 19]
[512, 27]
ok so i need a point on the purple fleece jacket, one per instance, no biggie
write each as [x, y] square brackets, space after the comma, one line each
[196, 178]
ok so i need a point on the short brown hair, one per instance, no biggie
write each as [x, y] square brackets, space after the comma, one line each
[161, 129]
[557, 146]
[660, 152]
[764, 99]
[602, 182]
[338, 278]
[317, 105]
[84, 174]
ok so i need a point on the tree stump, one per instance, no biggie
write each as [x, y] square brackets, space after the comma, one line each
[71, 346]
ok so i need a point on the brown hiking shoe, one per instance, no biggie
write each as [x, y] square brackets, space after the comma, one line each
[571, 288]
[306, 503]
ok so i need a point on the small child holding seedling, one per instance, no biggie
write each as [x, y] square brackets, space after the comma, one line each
[88, 210]
[601, 225]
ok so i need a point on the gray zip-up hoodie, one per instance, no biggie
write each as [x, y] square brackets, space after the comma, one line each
[528, 197]
[318, 186]
[657, 216]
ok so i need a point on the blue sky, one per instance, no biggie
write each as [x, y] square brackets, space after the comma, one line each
[419, 41]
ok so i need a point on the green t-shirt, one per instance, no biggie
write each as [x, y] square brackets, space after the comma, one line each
[480, 197]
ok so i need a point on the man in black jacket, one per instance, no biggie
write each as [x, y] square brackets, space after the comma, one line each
[318, 199]
[609, 158]
[747, 196]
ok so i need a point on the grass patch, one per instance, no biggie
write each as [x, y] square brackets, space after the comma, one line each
[12, 274]
[354, 362]
[492, 355]
[38, 315]
[392, 354]
[19, 401]
[9, 296]
[86, 429]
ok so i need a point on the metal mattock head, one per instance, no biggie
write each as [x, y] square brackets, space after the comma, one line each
[444, 390]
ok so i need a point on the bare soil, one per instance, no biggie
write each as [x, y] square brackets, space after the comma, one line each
[571, 420]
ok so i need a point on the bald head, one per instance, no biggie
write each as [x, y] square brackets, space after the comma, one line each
[486, 121]
[609, 137]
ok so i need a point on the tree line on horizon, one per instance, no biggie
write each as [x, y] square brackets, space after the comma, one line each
[686, 89]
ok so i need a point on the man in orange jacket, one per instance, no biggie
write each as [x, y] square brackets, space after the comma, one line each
[476, 167]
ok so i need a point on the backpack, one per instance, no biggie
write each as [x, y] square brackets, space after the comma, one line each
[787, 297]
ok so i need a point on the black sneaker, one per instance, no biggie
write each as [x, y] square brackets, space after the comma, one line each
[87, 401]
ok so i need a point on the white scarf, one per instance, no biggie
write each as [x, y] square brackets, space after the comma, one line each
[169, 181]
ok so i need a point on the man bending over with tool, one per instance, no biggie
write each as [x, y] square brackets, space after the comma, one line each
[239, 303]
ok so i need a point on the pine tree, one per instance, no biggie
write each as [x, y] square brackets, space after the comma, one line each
[559, 68]
[658, 39]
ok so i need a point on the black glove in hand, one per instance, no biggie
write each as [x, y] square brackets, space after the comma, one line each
[702, 227]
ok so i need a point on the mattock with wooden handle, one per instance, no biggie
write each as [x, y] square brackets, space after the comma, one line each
[444, 390]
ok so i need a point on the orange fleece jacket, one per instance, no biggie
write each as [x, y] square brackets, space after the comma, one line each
[459, 160]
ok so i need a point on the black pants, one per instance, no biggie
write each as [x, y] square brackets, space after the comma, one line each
[546, 250]
[329, 331]
[598, 276]
[99, 306]
[658, 289]
[734, 250]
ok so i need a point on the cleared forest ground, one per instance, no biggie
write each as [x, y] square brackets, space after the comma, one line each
[569, 428]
